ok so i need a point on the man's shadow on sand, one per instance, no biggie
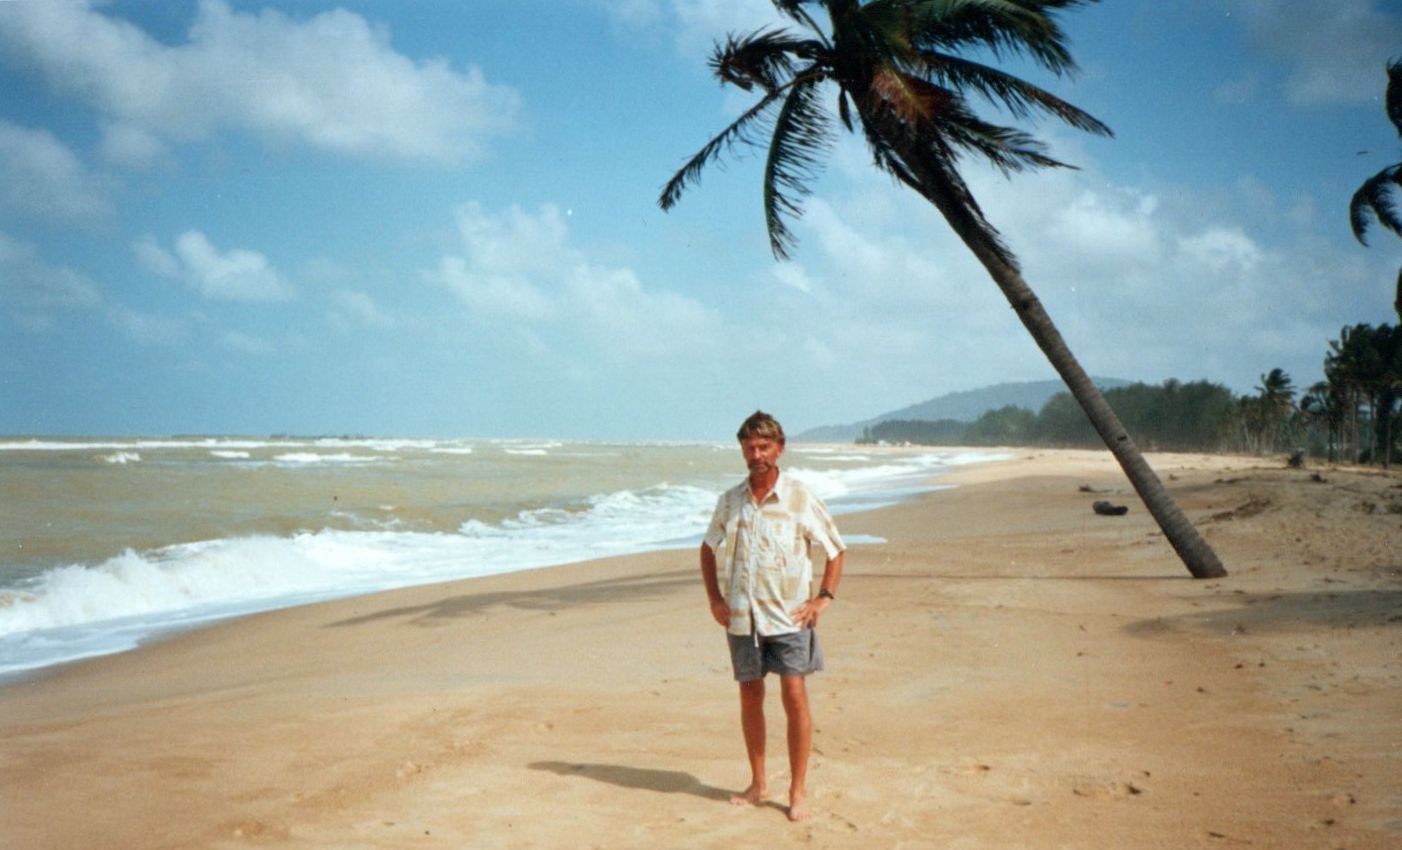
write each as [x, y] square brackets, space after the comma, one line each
[642, 779]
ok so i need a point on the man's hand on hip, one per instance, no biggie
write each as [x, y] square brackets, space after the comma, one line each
[806, 614]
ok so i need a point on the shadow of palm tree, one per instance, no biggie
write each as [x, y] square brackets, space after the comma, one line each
[638, 778]
[543, 599]
[1286, 611]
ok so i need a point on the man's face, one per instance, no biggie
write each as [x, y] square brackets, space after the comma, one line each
[761, 454]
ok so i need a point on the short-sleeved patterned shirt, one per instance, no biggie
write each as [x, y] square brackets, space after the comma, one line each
[762, 561]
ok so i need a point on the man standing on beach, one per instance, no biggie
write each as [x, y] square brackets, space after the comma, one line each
[758, 574]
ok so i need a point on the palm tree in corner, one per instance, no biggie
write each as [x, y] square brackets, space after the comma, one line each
[895, 69]
[1374, 198]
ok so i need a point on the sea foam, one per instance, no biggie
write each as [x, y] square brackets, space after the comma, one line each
[82, 610]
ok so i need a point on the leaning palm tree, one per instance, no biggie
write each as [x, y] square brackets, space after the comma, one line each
[1373, 200]
[894, 68]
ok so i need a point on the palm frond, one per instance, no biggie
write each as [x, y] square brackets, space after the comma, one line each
[737, 133]
[802, 134]
[1018, 96]
[764, 57]
[947, 186]
[1374, 200]
[925, 162]
[912, 99]
[933, 110]
[844, 109]
[1008, 149]
[900, 77]
[1005, 27]
[793, 10]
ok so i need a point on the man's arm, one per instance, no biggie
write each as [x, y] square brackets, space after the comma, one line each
[720, 609]
[807, 613]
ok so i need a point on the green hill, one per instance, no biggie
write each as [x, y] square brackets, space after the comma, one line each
[965, 406]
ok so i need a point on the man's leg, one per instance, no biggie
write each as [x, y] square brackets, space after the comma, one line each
[752, 723]
[795, 693]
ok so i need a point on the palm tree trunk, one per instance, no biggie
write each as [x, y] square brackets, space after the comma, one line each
[1387, 438]
[1385, 402]
[959, 211]
[1353, 425]
[1373, 426]
[1194, 551]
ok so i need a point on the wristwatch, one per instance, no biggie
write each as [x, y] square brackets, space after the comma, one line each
[824, 593]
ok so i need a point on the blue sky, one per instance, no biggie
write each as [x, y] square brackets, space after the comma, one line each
[440, 219]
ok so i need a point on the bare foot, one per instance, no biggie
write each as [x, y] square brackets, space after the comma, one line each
[798, 807]
[752, 796]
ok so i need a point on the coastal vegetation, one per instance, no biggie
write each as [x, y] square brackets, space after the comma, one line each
[1352, 416]
[900, 81]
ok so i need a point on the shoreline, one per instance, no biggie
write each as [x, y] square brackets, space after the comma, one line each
[1007, 669]
[313, 564]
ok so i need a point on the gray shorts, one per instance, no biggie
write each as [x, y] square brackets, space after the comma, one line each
[796, 654]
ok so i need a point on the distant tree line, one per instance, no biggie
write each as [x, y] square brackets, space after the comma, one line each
[1195, 416]
[1352, 415]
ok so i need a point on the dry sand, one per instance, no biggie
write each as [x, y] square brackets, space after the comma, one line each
[1009, 670]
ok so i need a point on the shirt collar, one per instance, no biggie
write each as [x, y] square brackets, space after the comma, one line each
[775, 492]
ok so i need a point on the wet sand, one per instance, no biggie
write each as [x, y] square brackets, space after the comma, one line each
[1007, 670]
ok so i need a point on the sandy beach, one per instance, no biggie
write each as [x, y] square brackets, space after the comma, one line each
[1007, 670]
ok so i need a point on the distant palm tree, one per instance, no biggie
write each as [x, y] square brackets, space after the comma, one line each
[1323, 405]
[1278, 387]
[898, 78]
[1277, 401]
[1374, 198]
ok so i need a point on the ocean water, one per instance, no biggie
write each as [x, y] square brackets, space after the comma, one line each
[105, 543]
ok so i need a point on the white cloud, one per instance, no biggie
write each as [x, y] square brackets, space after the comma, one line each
[357, 309]
[129, 144]
[519, 270]
[694, 25]
[506, 261]
[29, 286]
[611, 306]
[147, 328]
[233, 275]
[155, 258]
[36, 294]
[44, 180]
[332, 82]
[1106, 228]
[1140, 288]
[1221, 250]
[1336, 51]
[493, 294]
[705, 21]
[793, 275]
